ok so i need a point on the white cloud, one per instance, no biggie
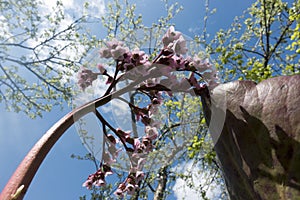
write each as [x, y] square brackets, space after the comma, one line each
[198, 178]
[4, 29]
[71, 10]
[96, 8]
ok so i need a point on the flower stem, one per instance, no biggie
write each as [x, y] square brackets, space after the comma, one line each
[27, 169]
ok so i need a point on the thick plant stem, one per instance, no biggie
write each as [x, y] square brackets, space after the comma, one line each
[18, 184]
[22, 177]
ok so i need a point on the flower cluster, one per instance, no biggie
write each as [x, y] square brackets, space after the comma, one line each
[98, 178]
[136, 65]
[86, 77]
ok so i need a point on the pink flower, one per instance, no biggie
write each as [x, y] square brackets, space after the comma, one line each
[201, 65]
[114, 43]
[151, 132]
[101, 68]
[89, 182]
[139, 57]
[170, 36]
[105, 53]
[118, 52]
[86, 78]
[112, 139]
[120, 191]
[139, 176]
[130, 188]
[141, 113]
[147, 142]
[134, 72]
[100, 182]
[136, 144]
[179, 46]
[114, 49]
[141, 163]
[179, 61]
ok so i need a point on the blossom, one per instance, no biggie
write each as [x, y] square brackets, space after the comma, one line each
[139, 176]
[136, 144]
[114, 49]
[101, 68]
[120, 191]
[98, 178]
[151, 132]
[118, 52]
[135, 65]
[100, 182]
[147, 142]
[200, 64]
[170, 36]
[139, 57]
[179, 46]
[105, 52]
[89, 182]
[114, 43]
[134, 72]
[111, 138]
[86, 78]
[130, 188]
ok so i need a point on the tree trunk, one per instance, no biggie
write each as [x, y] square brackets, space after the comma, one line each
[259, 144]
[162, 183]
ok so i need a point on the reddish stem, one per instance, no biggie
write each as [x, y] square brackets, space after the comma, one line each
[19, 182]
[25, 172]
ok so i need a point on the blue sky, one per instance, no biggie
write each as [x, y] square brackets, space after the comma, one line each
[61, 177]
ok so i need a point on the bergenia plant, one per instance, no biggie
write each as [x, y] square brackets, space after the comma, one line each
[154, 78]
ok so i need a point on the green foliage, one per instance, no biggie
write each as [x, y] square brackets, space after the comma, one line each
[259, 44]
[39, 55]
[182, 119]
[294, 15]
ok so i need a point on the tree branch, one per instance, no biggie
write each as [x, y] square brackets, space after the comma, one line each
[25, 172]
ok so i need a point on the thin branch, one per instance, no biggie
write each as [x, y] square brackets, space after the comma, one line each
[279, 41]
[35, 73]
[251, 51]
[19, 90]
[24, 174]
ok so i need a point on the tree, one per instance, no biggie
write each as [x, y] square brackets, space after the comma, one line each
[129, 65]
[122, 23]
[44, 49]
[32, 38]
[269, 52]
[258, 44]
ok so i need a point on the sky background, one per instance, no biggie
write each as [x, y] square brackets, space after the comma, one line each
[60, 176]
